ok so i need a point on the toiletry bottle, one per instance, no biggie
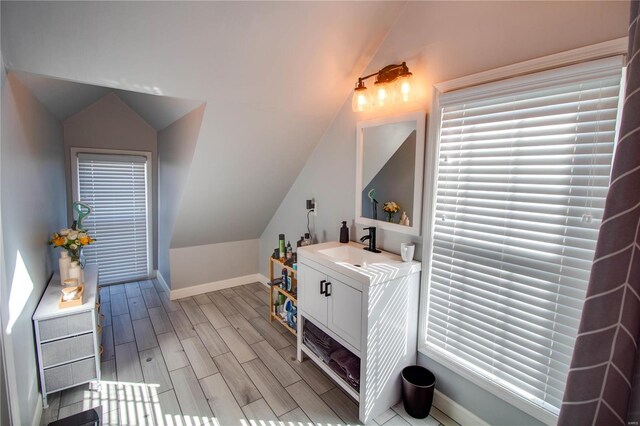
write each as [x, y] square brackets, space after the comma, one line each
[289, 250]
[281, 246]
[300, 242]
[64, 262]
[344, 232]
[74, 272]
[307, 239]
[283, 284]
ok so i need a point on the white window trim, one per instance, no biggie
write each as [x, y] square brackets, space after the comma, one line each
[147, 154]
[588, 53]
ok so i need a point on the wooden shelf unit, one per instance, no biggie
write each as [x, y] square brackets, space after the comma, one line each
[276, 263]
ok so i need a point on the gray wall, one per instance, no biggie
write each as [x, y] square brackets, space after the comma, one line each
[394, 182]
[176, 145]
[110, 123]
[439, 41]
[212, 262]
[4, 393]
[179, 266]
[33, 206]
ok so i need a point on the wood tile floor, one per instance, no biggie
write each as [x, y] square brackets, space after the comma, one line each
[211, 359]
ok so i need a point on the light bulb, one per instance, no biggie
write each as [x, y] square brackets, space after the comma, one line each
[404, 90]
[383, 95]
[361, 100]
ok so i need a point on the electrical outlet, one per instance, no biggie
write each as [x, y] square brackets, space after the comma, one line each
[312, 205]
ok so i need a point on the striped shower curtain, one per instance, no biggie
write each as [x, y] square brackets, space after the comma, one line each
[600, 381]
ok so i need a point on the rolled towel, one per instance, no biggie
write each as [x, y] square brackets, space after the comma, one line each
[344, 360]
[342, 373]
[320, 338]
[318, 350]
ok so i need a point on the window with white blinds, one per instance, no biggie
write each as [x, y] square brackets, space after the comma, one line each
[116, 188]
[522, 174]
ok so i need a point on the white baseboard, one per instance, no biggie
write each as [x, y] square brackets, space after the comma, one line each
[216, 285]
[162, 282]
[456, 411]
[264, 280]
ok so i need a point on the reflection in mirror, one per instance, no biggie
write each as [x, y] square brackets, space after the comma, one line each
[388, 171]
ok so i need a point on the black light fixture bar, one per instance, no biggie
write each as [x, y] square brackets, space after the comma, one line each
[386, 74]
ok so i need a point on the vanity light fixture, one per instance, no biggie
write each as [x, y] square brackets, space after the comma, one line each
[394, 84]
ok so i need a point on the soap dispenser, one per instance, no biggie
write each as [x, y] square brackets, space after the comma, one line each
[344, 232]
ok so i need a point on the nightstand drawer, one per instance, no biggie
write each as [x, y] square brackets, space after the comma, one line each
[70, 374]
[66, 350]
[65, 326]
[84, 370]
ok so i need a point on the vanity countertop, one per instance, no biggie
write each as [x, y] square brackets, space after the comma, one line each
[352, 260]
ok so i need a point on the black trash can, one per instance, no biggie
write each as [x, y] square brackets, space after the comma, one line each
[418, 385]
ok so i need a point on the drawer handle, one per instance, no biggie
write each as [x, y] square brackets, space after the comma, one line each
[101, 350]
[99, 328]
[97, 305]
[322, 290]
[327, 291]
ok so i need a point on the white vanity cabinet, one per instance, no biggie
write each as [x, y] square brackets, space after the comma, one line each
[368, 303]
[332, 303]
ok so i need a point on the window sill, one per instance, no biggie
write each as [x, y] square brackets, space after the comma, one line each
[493, 388]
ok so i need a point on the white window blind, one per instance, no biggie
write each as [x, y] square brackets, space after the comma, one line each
[115, 186]
[522, 175]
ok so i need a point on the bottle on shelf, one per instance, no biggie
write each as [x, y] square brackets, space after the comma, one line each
[289, 250]
[281, 246]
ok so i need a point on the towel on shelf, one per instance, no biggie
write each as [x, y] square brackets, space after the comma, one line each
[347, 366]
[319, 341]
[324, 355]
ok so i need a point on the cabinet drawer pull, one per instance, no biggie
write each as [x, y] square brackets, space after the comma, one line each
[101, 350]
[99, 328]
[98, 306]
[327, 291]
[322, 289]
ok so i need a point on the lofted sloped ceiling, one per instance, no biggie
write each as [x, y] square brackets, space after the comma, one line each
[273, 75]
[65, 98]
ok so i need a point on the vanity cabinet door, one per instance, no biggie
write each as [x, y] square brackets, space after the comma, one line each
[311, 294]
[345, 312]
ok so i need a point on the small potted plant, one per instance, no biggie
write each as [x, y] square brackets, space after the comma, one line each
[391, 208]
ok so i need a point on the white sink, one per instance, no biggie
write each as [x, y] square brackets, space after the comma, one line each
[355, 256]
[353, 261]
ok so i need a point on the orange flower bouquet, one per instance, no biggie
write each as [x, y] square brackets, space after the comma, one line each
[71, 240]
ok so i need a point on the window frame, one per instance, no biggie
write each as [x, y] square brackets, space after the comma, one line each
[74, 151]
[494, 80]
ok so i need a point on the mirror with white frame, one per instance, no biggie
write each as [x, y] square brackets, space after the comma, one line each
[389, 172]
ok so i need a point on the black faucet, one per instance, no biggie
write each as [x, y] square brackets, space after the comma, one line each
[372, 239]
